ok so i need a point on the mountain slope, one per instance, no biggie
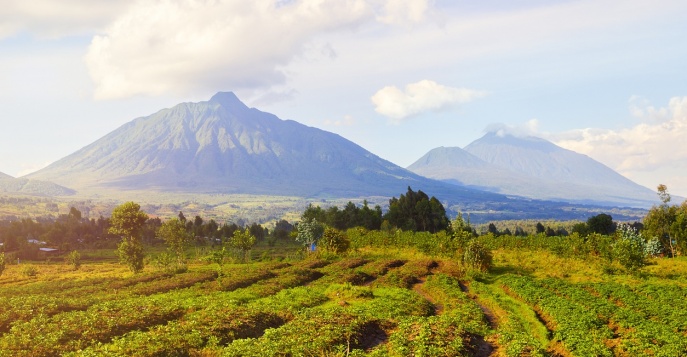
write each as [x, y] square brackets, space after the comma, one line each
[455, 165]
[10, 184]
[532, 167]
[223, 146]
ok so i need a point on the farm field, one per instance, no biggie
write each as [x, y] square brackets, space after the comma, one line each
[370, 301]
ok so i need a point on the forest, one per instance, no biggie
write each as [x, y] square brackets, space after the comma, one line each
[349, 281]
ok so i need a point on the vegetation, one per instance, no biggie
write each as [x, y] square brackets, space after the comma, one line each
[127, 222]
[73, 259]
[398, 290]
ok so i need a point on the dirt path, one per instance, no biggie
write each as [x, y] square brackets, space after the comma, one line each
[489, 346]
[438, 307]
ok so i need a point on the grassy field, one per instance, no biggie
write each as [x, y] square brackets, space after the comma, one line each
[370, 301]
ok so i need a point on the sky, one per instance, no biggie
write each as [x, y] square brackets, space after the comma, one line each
[605, 78]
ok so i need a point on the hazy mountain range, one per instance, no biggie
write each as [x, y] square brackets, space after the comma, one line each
[222, 146]
[531, 167]
[33, 187]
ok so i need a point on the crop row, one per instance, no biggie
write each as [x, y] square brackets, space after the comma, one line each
[639, 334]
[518, 330]
[578, 328]
[101, 322]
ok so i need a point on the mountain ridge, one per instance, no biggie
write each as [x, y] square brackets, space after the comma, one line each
[221, 145]
[532, 167]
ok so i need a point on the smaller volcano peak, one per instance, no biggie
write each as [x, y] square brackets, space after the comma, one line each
[227, 99]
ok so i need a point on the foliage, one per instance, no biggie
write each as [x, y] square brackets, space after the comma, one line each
[349, 217]
[630, 248]
[334, 241]
[415, 211]
[668, 223]
[73, 259]
[2, 263]
[174, 233]
[127, 222]
[309, 232]
[243, 241]
[28, 270]
[131, 254]
[477, 256]
[653, 247]
[601, 223]
[166, 262]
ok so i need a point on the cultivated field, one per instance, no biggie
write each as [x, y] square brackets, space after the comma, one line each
[370, 301]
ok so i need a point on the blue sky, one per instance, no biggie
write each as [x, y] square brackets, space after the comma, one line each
[606, 78]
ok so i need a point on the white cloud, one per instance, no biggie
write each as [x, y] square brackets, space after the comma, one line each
[418, 98]
[530, 128]
[184, 45]
[53, 19]
[404, 11]
[347, 120]
[655, 145]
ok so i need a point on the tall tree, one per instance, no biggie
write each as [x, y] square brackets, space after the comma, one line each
[127, 222]
[309, 232]
[244, 241]
[177, 237]
[668, 223]
[601, 223]
[415, 211]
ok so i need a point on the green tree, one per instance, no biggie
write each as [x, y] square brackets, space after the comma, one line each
[601, 223]
[174, 233]
[309, 232]
[415, 211]
[73, 259]
[244, 241]
[127, 222]
[493, 230]
[334, 241]
[477, 256]
[668, 223]
[630, 248]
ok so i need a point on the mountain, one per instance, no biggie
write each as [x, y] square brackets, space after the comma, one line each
[222, 146]
[9, 184]
[532, 167]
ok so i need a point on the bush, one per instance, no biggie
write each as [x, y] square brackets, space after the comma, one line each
[653, 247]
[334, 241]
[2, 263]
[630, 248]
[73, 259]
[28, 270]
[477, 256]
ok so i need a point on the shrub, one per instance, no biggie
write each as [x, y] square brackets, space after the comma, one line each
[2, 263]
[334, 241]
[653, 247]
[630, 248]
[28, 270]
[166, 262]
[73, 259]
[477, 256]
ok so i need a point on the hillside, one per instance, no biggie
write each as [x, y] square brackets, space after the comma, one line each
[9, 184]
[535, 168]
[223, 146]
